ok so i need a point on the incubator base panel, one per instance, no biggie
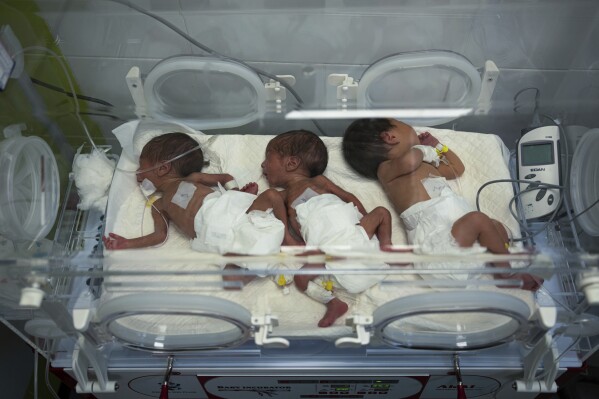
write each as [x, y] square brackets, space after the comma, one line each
[321, 384]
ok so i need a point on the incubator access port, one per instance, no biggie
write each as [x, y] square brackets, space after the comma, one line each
[29, 186]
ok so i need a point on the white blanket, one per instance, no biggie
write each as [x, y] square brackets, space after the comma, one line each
[241, 155]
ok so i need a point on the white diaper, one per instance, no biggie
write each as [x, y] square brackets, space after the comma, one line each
[332, 225]
[355, 283]
[258, 233]
[326, 220]
[222, 226]
[428, 226]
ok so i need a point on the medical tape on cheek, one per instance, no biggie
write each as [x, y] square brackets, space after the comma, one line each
[184, 194]
[147, 188]
[318, 293]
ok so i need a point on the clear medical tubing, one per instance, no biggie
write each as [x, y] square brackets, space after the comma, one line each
[159, 164]
[72, 87]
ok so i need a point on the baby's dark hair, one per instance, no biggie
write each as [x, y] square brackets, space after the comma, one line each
[168, 146]
[305, 145]
[363, 146]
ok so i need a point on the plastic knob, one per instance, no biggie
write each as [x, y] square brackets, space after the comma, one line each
[31, 297]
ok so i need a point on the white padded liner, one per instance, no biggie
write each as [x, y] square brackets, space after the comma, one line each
[241, 156]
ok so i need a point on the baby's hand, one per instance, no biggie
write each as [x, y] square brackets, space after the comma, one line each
[115, 241]
[530, 282]
[251, 188]
[428, 139]
[386, 247]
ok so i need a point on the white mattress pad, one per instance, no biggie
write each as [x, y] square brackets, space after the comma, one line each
[241, 155]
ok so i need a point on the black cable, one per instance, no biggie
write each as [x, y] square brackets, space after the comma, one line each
[537, 185]
[537, 97]
[113, 117]
[525, 228]
[68, 93]
[214, 52]
[536, 121]
[585, 210]
[567, 174]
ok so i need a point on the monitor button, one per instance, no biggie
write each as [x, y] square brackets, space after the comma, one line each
[541, 194]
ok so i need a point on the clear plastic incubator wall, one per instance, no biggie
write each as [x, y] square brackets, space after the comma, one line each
[510, 89]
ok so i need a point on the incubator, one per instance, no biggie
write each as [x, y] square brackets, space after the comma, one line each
[86, 85]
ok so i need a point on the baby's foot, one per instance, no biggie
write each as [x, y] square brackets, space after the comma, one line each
[292, 241]
[335, 309]
[528, 281]
[397, 249]
[234, 281]
[251, 188]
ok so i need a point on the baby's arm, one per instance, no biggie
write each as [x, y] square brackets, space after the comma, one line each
[341, 193]
[400, 166]
[211, 179]
[293, 223]
[115, 241]
[454, 167]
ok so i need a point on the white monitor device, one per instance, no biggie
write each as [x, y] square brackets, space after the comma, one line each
[539, 161]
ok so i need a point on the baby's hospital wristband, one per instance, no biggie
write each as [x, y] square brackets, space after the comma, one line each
[231, 185]
[441, 149]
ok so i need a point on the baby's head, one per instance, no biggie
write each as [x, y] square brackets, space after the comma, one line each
[306, 146]
[367, 143]
[167, 147]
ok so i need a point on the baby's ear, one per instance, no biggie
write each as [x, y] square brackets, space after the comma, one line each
[164, 169]
[389, 137]
[292, 163]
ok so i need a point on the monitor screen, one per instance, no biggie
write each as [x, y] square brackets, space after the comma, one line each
[537, 154]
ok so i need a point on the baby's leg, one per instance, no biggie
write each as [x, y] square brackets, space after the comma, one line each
[476, 226]
[302, 280]
[272, 199]
[501, 230]
[335, 309]
[378, 222]
[335, 306]
[529, 282]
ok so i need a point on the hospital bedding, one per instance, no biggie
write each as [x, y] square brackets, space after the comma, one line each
[483, 155]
